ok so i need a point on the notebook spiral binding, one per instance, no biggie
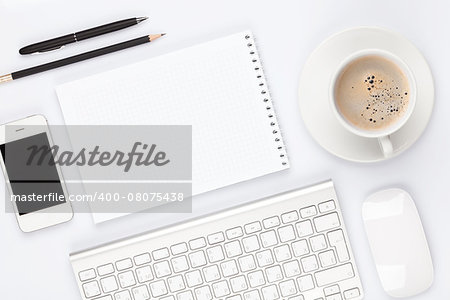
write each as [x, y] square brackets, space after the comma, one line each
[267, 99]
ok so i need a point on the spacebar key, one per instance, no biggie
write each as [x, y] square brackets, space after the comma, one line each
[333, 275]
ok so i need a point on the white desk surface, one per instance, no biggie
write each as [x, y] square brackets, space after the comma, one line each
[36, 266]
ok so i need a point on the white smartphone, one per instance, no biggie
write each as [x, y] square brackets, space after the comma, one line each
[35, 183]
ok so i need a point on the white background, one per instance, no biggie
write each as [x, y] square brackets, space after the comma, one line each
[36, 265]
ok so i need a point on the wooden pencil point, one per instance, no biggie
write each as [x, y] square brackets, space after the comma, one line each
[153, 37]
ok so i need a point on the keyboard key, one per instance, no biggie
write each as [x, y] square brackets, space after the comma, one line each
[334, 297]
[140, 293]
[291, 216]
[291, 268]
[180, 264]
[123, 295]
[234, 233]
[247, 263]
[252, 295]
[256, 279]
[334, 275]
[215, 238]
[304, 228]
[105, 269]
[327, 222]
[271, 222]
[185, 296]
[158, 288]
[142, 259]
[211, 273]
[229, 268]
[274, 274]
[179, 248]
[109, 284]
[327, 206]
[334, 289]
[167, 298]
[250, 243]
[176, 283]
[124, 264]
[270, 292]
[87, 274]
[300, 297]
[197, 243]
[91, 289]
[203, 293]
[318, 243]
[337, 239]
[193, 278]
[308, 212]
[353, 293]
[286, 233]
[288, 288]
[107, 297]
[305, 283]
[162, 269]
[160, 254]
[252, 227]
[233, 249]
[238, 284]
[268, 238]
[221, 289]
[197, 259]
[300, 248]
[215, 254]
[264, 258]
[309, 263]
[282, 253]
[144, 274]
[126, 279]
[327, 258]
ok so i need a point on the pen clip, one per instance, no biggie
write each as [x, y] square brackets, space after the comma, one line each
[50, 49]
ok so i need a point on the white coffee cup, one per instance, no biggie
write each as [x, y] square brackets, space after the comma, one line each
[383, 135]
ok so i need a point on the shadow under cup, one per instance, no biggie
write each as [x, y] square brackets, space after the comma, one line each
[373, 94]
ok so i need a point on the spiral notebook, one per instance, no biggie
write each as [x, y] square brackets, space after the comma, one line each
[218, 87]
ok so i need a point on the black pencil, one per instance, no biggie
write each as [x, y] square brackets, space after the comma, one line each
[80, 57]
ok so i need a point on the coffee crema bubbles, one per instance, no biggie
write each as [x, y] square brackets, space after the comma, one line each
[372, 93]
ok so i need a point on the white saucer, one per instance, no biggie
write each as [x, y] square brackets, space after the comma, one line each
[315, 84]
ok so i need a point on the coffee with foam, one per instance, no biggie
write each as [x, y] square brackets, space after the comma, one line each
[372, 93]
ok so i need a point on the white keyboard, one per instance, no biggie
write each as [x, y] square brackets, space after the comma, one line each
[289, 246]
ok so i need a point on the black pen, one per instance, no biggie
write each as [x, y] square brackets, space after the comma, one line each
[61, 41]
[79, 57]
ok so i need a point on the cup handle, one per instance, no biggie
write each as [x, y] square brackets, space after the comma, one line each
[386, 145]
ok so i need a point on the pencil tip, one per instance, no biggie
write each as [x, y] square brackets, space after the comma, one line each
[153, 37]
[141, 19]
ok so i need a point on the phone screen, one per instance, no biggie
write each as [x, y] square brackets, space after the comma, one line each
[33, 176]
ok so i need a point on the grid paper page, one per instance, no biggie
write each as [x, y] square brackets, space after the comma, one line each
[217, 87]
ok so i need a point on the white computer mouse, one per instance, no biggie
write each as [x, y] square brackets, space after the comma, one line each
[398, 243]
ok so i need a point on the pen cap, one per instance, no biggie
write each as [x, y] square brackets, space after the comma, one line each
[48, 45]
